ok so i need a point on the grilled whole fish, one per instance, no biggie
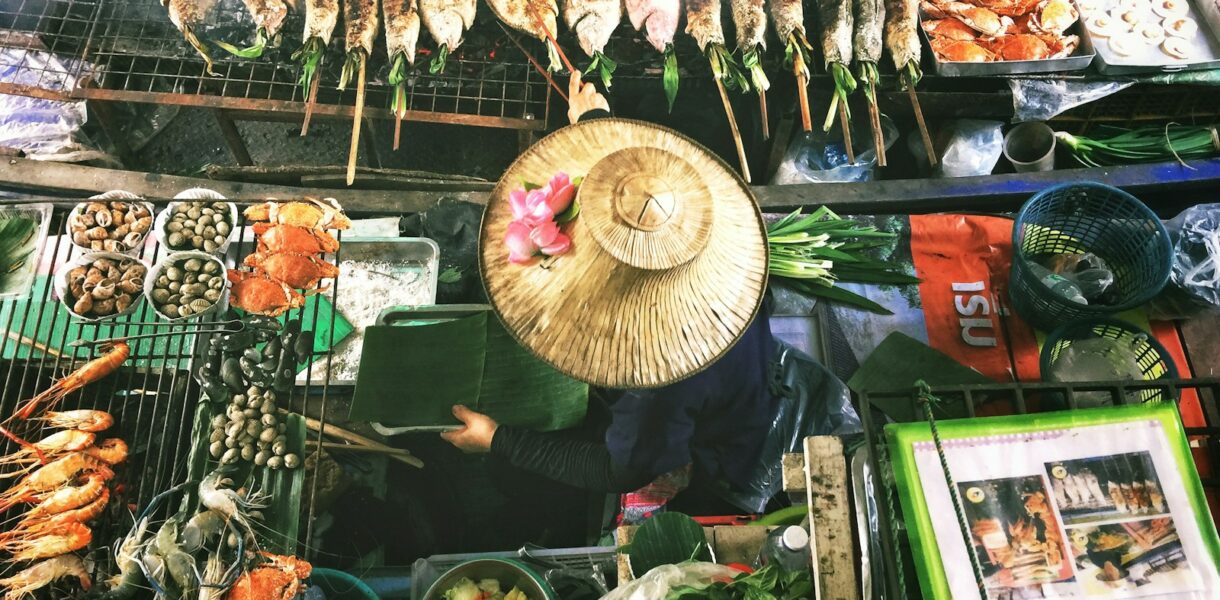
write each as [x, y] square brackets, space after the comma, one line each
[659, 18]
[870, 17]
[788, 17]
[703, 22]
[401, 28]
[750, 19]
[268, 15]
[321, 16]
[901, 34]
[361, 24]
[518, 15]
[187, 16]
[447, 20]
[593, 21]
[837, 28]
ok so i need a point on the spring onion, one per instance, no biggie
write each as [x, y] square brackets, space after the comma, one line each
[1146, 144]
[813, 252]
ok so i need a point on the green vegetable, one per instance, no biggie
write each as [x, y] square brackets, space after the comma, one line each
[310, 56]
[844, 86]
[1146, 144]
[464, 590]
[398, 79]
[17, 234]
[438, 61]
[797, 45]
[812, 252]
[725, 68]
[768, 583]
[255, 51]
[670, 78]
[351, 67]
[604, 68]
[792, 515]
[752, 61]
[666, 539]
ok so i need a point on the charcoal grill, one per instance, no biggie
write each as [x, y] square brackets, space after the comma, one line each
[152, 397]
[128, 51]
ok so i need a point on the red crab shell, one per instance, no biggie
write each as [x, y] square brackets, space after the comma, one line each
[290, 238]
[311, 214]
[277, 579]
[300, 271]
[255, 293]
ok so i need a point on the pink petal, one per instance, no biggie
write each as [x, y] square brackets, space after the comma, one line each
[539, 210]
[520, 247]
[544, 234]
[561, 199]
[559, 181]
[516, 200]
[561, 244]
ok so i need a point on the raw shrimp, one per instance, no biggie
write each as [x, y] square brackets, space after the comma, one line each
[92, 371]
[68, 538]
[201, 528]
[52, 476]
[45, 573]
[52, 446]
[91, 487]
[92, 421]
[111, 451]
[227, 502]
[44, 525]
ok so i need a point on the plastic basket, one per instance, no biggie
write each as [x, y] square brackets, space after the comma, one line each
[1079, 218]
[1154, 361]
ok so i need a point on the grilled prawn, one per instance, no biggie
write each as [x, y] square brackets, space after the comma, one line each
[44, 573]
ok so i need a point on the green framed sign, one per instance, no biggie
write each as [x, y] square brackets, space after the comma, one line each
[1099, 503]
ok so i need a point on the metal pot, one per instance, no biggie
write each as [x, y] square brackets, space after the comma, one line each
[508, 572]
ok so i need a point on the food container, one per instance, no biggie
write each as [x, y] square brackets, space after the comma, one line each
[84, 260]
[17, 284]
[1204, 43]
[1077, 61]
[174, 258]
[197, 194]
[111, 196]
[509, 573]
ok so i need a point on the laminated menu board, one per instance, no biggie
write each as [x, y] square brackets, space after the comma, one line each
[1099, 503]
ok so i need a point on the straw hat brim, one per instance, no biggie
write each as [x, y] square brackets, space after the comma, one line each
[600, 320]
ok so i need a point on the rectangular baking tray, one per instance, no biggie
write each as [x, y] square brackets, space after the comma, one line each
[17, 285]
[1077, 61]
[1206, 46]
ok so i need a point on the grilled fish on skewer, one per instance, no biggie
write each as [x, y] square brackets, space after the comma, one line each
[659, 18]
[401, 35]
[703, 24]
[269, 18]
[594, 21]
[750, 20]
[187, 16]
[520, 15]
[360, 28]
[321, 16]
[447, 22]
[788, 19]
[901, 36]
[837, 29]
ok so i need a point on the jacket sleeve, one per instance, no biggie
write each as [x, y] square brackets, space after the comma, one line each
[580, 464]
[596, 113]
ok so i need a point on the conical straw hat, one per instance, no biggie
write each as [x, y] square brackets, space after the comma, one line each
[668, 260]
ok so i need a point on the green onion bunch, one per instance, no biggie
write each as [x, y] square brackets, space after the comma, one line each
[813, 252]
[1143, 145]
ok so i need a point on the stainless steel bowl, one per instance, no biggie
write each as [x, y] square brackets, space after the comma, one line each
[508, 572]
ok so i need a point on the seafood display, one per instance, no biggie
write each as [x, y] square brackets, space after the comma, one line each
[1148, 30]
[101, 285]
[289, 259]
[299, 271]
[447, 22]
[901, 37]
[250, 430]
[532, 17]
[1000, 31]
[788, 18]
[838, 27]
[186, 285]
[659, 20]
[260, 295]
[43, 573]
[594, 21]
[750, 22]
[704, 25]
[118, 226]
[276, 578]
[314, 214]
[197, 225]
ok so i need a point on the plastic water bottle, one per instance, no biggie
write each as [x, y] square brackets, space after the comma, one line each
[1057, 283]
[788, 548]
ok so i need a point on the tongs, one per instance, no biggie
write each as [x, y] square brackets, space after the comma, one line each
[212, 327]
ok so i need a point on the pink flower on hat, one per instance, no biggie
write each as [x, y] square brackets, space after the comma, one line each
[534, 229]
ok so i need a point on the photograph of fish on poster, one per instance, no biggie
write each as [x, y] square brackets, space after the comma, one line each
[1106, 488]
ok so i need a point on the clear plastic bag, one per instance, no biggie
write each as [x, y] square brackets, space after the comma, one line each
[1194, 281]
[1042, 99]
[812, 401]
[974, 148]
[1088, 271]
[818, 157]
[43, 129]
[659, 581]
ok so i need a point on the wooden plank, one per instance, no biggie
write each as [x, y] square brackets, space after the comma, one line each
[794, 473]
[834, 571]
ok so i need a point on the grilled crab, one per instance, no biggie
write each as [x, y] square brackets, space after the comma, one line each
[277, 579]
[311, 214]
[951, 29]
[960, 51]
[256, 293]
[290, 238]
[300, 271]
[977, 18]
[1053, 17]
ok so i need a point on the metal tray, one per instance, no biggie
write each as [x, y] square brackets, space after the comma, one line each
[1080, 60]
[1206, 43]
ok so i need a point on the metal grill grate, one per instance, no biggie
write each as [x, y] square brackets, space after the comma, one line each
[40, 41]
[152, 397]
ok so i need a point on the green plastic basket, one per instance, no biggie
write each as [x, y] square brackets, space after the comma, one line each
[1154, 361]
[340, 585]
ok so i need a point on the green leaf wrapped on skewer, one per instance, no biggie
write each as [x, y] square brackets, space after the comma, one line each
[351, 67]
[437, 64]
[604, 68]
[398, 79]
[254, 51]
[726, 69]
[752, 62]
[845, 84]
[797, 45]
[670, 77]
[310, 57]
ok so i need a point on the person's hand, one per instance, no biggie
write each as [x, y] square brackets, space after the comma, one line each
[475, 435]
[583, 97]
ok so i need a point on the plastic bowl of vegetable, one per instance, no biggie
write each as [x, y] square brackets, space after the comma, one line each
[490, 579]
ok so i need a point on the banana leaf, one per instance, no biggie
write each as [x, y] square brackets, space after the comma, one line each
[666, 539]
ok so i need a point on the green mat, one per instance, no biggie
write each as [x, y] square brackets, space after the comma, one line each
[411, 375]
[901, 360]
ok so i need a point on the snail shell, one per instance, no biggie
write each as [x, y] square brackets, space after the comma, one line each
[98, 233]
[82, 222]
[103, 218]
[133, 239]
[105, 307]
[130, 217]
[114, 273]
[83, 304]
[80, 238]
[199, 305]
[111, 246]
[104, 263]
[117, 214]
[94, 207]
[104, 289]
[77, 273]
[92, 277]
[122, 302]
[77, 289]
[159, 295]
[142, 224]
[120, 231]
[132, 286]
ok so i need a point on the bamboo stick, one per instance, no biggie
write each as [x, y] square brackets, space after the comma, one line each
[846, 126]
[874, 116]
[728, 111]
[923, 126]
[355, 438]
[356, 122]
[533, 61]
[397, 127]
[310, 102]
[550, 36]
[762, 105]
[802, 93]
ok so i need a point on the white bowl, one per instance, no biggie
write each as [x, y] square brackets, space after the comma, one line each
[109, 197]
[176, 257]
[164, 216]
[61, 282]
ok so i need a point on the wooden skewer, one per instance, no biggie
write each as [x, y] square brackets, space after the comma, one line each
[356, 122]
[874, 117]
[309, 103]
[846, 126]
[533, 61]
[762, 105]
[802, 82]
[923, 126]
[397, 127]
[728, 111]
[355, 438]
[549, 36]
